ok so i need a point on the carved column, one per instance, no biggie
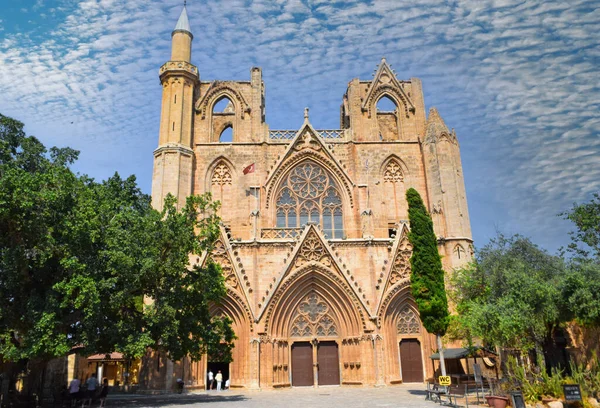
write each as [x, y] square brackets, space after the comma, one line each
[254, 364]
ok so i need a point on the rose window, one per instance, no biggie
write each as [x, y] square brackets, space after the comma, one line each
[309, 194]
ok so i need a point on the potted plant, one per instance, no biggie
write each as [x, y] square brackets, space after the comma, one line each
[498, 396]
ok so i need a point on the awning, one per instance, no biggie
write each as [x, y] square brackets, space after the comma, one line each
[459, 353]
[114, 356]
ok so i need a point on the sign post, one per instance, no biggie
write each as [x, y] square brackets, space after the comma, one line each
[572, 392]
[444, 380]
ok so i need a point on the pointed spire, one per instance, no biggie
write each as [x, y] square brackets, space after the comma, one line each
[183, 24]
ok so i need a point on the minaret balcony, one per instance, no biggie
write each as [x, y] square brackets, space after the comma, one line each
[175, 66]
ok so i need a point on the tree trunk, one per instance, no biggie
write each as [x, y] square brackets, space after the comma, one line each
[441, 352]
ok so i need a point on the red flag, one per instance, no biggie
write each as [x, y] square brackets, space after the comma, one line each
[249, 169]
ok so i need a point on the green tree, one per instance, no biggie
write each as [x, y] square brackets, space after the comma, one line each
[581, 286]
[585, 240]
[509, 296]
[78, 258]
[427, 276]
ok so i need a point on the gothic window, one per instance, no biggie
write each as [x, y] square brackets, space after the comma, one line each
[393, 172]
[221, 187]
[221, 175]
[309, 194]
[459, 251]
[226, 135]
[385, 104]
[223, 115]
[393, 184]
[223, 105]
[313, 319]
[408, 322]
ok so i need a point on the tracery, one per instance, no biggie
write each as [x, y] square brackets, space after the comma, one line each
[408, 322]
[309, 194]
[313, 319]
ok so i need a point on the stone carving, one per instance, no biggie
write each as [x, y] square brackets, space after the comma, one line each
[312, 319]
[219, 255]
[401, 266]
[221, 175]
[459, 251]
[408, 322]
[307, 141]
[312, 250]
[393, 172]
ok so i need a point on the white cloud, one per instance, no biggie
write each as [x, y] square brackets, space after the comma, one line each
[518, 80]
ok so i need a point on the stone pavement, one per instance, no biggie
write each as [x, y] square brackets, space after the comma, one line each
[399, 396]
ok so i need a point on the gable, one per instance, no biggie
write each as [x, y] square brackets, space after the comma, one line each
[386, 83]
[308, 145]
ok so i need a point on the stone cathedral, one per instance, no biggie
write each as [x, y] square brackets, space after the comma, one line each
[313, 242]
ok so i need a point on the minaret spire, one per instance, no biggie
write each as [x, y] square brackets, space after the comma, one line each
[183, 24]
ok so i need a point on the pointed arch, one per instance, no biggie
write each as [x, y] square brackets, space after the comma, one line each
[344, 307]
[308, 192]
[393, 172]
[397, 96]
[340, 177]
[219, 180]
[216, 92]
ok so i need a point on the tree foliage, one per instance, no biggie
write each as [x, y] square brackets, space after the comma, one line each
[427, 276]
[510, 295]
[585, 240]
[78, 258]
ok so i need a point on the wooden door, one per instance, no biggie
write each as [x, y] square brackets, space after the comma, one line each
[302, 364]
[411, 361]
[329, 363]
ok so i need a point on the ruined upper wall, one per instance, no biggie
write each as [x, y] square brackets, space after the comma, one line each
[360, 113]
[244, 113]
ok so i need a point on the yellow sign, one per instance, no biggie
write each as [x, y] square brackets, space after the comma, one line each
[444, 380]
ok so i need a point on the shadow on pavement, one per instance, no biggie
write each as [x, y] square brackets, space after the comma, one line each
[418, 392]
[169, 400]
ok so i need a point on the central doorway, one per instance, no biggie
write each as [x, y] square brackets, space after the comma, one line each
[411, 361]
[328, 363]
[302, 364]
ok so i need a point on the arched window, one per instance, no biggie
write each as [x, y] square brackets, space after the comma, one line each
[223, 105]
[386, 104]
[226, 135]
[222, 189]
[393, 184]
[223, 117]
[309, 194]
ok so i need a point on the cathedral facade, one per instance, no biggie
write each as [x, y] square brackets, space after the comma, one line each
[313, 244]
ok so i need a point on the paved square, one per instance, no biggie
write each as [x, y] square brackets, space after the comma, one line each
[400, 396]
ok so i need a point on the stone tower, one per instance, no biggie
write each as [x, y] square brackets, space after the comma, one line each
[174, 157]
[313, 246]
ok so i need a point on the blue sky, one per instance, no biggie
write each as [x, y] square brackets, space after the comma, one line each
[518, 80]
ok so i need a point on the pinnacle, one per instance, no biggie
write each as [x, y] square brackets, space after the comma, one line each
[435, 125]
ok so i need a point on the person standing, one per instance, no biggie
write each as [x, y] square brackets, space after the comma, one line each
[92, 384]
[219, 378]
[74, 390]
[103, 391]
[211, 379]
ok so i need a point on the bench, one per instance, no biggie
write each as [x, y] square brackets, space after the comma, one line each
[435, 392]
[455, 392]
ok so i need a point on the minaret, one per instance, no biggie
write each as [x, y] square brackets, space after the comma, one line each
[447, 193]
[174, 157]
